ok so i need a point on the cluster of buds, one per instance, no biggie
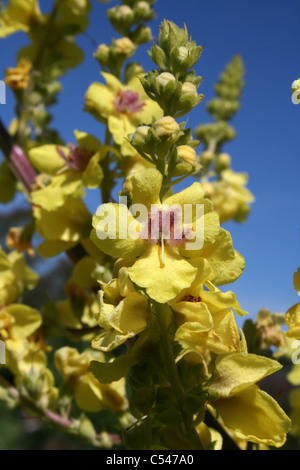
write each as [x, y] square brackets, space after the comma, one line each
[112, 57]
[167, 141]
[228, 91]
[129, 19]
[173, 86]
[214, 134]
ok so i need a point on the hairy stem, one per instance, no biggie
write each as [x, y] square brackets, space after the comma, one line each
[50, 416]
[174, 379]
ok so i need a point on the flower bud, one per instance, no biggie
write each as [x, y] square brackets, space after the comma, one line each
[140, 135]
[143, 10]
[142, 35]
[189, 88]
[186, 154]
[132, 70]
[102, 54]
[208, 189]
[223, 162]
[164, 79]
[123, 11]
[166, 126]
[206, 157]
[124, 46]
[127, 186]
[183, 53]
[143, 140]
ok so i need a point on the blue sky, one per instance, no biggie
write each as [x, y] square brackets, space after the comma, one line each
[267, 35]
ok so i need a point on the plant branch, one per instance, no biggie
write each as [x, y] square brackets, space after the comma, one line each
[54, 419]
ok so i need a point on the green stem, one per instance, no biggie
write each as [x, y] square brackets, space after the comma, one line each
[173, 377]
[108, 182]
[26, 111]
[52, 418]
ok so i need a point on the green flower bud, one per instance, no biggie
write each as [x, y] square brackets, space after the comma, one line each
[206, 158]
[142, 34]
[102, 54]
[123, 12]
[159, 57]
[121, 17]
[143, 11]
[140, 135]
[223, 162]
[143, 140]
[132, 70]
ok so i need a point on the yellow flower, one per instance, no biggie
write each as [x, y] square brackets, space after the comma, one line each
[16, 238]
[122, 107]
[123, 312]
[230, 197]
[157, 242]
[247, 411]
[292, 317]
[269, 328]
[204, 316]
[15, 277]
[89, 394]
[19, 15]
[62, 221]
[18, 77]
[69, 166]
[17, 323]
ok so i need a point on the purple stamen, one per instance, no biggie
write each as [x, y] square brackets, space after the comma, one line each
[128, 102]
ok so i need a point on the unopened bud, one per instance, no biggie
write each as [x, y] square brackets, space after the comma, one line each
[183, 53]
[102, 53]
[140, 135]
[208, 189]
[143, 140]
[124, 46]
[164, 79]
[206, 157]
[142, 35]
[223, 162]
[123, 11]
[127, 186]
[189, 88]
[186, 154]
[166, 126]
[142, 9]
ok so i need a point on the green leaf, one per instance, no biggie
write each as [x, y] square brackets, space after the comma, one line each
[107, 372]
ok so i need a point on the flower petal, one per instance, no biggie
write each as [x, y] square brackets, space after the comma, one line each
[162, 281]
[112, 224]
[146, 186]
[254, 415]
[235, 372]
